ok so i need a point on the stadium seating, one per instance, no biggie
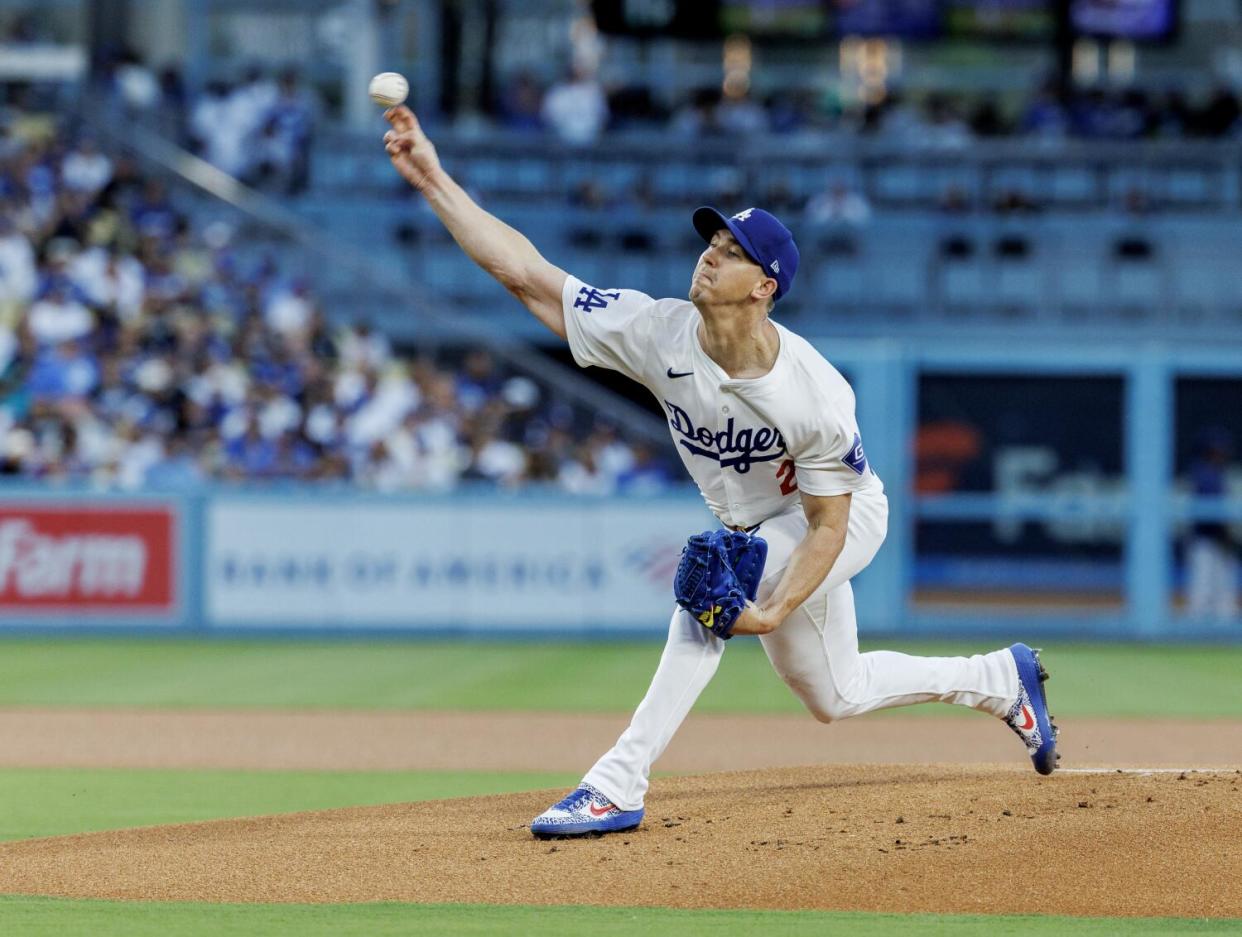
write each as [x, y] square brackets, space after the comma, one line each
[1024, 236]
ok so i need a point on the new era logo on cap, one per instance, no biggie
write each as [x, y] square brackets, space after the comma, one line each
[761, 235]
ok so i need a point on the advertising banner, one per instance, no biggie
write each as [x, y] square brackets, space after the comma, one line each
[445, 565]
[86, 559]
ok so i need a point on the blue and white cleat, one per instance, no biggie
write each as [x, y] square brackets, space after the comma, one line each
[1029, 716]
[585, 812]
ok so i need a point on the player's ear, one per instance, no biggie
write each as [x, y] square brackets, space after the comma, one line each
[766, 289]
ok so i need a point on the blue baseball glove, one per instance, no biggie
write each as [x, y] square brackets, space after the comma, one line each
[718, 574]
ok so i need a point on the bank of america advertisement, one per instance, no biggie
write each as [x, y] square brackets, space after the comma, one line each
[525, 565]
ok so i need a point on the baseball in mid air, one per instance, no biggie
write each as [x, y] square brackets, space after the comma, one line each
[388, 89]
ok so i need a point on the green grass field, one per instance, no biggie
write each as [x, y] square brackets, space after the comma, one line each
[55, 802]
[1089, 680]
[36, 917]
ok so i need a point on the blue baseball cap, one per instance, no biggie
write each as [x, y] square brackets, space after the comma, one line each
[764, 239]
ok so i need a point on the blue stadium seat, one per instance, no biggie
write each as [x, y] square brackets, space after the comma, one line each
[1197, 286]
[901, 184]
[1191, 186]
[963, 283]
[1078, 287]
[1137, 285]
[1071, 185]
[902, 285]
[839, 285]
[1019, 284]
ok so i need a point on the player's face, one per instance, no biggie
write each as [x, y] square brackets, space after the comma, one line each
[724, 274]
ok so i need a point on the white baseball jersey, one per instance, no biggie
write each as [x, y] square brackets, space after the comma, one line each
[749, 444]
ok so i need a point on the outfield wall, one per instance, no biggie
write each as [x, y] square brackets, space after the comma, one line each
[305, 561]
[308, 561]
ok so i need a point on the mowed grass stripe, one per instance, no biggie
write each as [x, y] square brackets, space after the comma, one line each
[61, 801]
[1088, 679]
[35, 917]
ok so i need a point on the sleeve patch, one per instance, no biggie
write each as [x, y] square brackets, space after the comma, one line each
[856, 459]
[590, 298]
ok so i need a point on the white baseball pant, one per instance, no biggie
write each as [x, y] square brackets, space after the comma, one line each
[815, 651]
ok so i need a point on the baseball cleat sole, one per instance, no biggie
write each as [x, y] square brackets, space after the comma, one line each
[621, 822]
[572, 833]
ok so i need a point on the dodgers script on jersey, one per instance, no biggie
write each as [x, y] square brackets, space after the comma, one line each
[750, 445]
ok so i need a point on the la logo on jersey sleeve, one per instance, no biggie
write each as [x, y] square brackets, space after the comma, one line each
[856, 459]
[590, 298]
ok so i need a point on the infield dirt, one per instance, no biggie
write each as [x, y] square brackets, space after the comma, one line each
[890, 837]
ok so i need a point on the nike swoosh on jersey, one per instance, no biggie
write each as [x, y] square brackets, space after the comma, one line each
[677, 374]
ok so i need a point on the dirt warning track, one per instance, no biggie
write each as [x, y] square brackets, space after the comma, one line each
[515, 741]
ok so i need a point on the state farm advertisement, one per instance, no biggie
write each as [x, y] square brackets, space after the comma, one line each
[87, 557]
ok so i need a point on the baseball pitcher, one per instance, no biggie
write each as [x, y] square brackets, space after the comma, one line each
[765, 426]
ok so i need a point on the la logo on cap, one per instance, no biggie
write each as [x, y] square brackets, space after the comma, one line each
[743, 215]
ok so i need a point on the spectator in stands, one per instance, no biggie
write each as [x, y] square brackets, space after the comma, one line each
[987, 120]
[85, 168]
[58, 315]
[581, 474]
[646, 474]
[521, 103]
[289, 309]
[576, 110]
[1211, 554]
[259, 130]
[1172, 116]
[492, 458]
[899, 120]
[254, 100]
[177, 468]
[62, 371]
[19, 277]
[1047, 115]
[838, 204]
[135, 349]
[290, 130]
[789, 111]
[26, 29]
[215, 133]
[360, 345]
[478, 381]
[134, 86]
[110, 279]
[696, 116]
[944, 128]
[613, 456]
[740, 115]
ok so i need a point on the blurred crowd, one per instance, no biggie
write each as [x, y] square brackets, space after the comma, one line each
[137, 350]
[258, 128]
[580, 109]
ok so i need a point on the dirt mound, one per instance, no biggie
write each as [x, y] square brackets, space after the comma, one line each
[891, 838]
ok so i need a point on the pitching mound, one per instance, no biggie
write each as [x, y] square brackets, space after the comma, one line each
[890, 838]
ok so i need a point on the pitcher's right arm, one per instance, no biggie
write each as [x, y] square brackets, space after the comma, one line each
[502, 251]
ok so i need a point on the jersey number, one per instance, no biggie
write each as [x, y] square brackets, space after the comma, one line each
[789, 481]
